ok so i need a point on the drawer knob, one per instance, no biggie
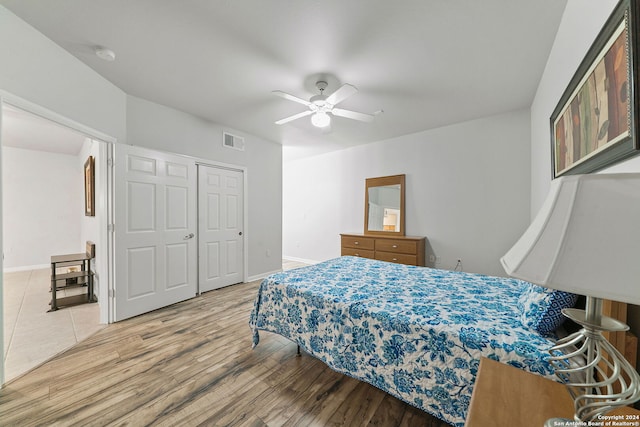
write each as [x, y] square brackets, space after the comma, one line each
[394, 246]
[356, 243]
[395, 259]
[356, 254]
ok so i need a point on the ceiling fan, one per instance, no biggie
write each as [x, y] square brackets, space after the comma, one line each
[321, 106]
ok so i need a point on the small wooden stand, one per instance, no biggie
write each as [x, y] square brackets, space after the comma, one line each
[75, 279]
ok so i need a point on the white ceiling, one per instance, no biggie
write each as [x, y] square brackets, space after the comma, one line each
[426, 63]
[30, 132]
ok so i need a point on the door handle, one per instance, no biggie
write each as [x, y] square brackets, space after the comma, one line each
[189, 236]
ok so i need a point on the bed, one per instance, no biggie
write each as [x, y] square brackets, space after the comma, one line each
[417, 333]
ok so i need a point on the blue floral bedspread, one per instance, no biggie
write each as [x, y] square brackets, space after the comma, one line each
[417, 333]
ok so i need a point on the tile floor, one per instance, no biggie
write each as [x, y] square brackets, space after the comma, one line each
[31, 335]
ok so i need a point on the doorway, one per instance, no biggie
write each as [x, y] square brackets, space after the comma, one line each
[107, 208]
[43, 215]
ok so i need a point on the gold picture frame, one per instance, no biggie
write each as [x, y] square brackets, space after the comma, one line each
[89, 187]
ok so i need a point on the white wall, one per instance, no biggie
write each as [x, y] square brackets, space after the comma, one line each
[155, 126]
[43, 73]
[581, 23]
[38, 70]
[1, 268]
[43, 205]
[43, 196]
[467, 191]
[90, 225]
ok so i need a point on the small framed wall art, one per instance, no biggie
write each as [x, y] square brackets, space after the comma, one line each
[89, 187]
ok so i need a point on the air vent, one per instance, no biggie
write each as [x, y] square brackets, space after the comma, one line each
[232, 141]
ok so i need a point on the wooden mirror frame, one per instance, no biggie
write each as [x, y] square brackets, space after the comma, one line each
[381, 182]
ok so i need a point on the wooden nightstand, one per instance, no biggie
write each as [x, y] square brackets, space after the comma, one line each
[505, 396]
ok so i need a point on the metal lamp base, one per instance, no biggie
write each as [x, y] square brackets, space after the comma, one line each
[599, 378]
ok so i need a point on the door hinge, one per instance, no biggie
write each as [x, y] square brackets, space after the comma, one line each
[111, 228]
[112, 293]
[110, 162]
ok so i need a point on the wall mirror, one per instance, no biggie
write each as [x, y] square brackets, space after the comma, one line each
[384, 205]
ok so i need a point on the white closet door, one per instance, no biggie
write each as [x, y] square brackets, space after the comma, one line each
[220, 223]
[155, 226]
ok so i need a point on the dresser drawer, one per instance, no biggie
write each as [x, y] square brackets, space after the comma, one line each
[358, 242]
[397, 246]
[364, 253]
[399, 258]
[400, 249]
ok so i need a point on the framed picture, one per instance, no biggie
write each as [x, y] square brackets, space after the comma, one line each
[89, 187]
[594, 125]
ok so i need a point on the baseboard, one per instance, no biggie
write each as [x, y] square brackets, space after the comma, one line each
[262, 275]
[25, 268]
[288, 258]
[306, 261]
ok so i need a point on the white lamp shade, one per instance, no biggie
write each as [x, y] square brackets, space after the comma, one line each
[585, 239]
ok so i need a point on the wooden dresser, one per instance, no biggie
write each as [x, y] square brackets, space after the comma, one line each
[401, 249]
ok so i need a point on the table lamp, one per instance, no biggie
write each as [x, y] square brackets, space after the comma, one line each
[586, 240]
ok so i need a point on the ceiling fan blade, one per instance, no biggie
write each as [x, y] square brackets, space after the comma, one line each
[294, 117]
[291, 97]
[352, 115]
[343, 92]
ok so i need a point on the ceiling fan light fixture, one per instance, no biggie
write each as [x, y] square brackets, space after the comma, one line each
[320, 106]
[320, 119]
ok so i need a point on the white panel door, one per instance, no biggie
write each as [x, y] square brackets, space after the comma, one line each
[155, 225]
[220, 223]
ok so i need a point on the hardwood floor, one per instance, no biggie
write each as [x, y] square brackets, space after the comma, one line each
[192, 364]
